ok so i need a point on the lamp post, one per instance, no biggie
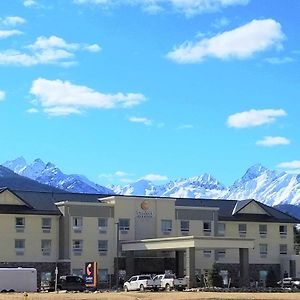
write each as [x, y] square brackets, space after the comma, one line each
[117, 265]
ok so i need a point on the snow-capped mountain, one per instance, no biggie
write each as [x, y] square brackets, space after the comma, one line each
[51, 175]
[259, 183]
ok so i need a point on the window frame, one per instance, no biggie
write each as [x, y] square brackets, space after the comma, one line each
[103, 250]
[263, 253]
[166, 229]
[46, 227]
[20, 227]
[77, 250]
[46, 251]
[207, 231]
[20, 250]
[124, 228]
[242, 233]
[184, 228]
[283, 252]
[77, 228]
[102, 229]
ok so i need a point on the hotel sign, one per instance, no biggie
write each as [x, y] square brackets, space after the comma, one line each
[91, 274]
[145, 211]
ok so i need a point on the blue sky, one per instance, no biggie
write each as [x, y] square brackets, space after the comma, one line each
[161, 89]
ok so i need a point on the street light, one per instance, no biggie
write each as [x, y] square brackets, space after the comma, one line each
[117, 266]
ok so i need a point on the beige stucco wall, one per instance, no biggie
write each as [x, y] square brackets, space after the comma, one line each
[32, 234]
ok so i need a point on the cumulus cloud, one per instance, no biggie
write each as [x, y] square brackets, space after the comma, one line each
[279, 60]
[93, 48]
[12, 21]
[254, 117]
[240, 43]
[144, 121]
[2, 95]
[29, 3]
[32, 110]
[187, 7]
[295, 164]
[155, 177]
[58, 97]
[45, 50]
[8, 33]
[271, 141]
[114, 175]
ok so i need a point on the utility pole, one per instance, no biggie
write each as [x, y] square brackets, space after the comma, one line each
[117, 265]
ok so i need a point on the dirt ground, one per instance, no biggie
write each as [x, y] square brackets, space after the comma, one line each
[151, 296]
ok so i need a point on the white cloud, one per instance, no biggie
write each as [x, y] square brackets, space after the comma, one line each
[271, 141]
[155, 177]
[2, 95]
[45, 50]
[144, 121]
[12, 21]
[279, 60]
[220, 23]
[240, 43]
[32, 110]
[59, 97]
[254, 117]
[295, 164]
[186, 126]
[93, 48]
[187, 7]
[29, 3]
[8, 33]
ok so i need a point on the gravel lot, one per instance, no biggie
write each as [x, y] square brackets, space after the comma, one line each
[149, 295]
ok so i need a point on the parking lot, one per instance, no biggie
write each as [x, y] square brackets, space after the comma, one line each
[149, 296]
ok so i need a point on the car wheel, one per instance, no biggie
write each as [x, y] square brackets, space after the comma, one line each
[167, 288]
[142, 289]
[125, 288]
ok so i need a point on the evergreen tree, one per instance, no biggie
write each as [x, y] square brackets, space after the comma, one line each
[214, 278]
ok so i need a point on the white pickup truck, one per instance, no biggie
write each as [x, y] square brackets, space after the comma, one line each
[169, 281]
[138, 283]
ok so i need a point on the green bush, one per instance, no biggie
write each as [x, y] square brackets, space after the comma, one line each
[214, 278]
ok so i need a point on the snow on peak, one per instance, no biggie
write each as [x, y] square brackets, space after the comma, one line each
[16, 164]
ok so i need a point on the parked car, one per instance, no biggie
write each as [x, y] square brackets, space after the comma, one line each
[164, 282]
[290, 282]
[180, 283]
[69, 283]
[138, 283]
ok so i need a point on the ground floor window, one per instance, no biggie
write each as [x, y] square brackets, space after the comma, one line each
[103, 275]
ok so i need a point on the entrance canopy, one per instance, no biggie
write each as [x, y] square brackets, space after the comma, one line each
[184, 242]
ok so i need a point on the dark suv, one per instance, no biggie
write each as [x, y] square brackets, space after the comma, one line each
[290, 282]
[69, 283]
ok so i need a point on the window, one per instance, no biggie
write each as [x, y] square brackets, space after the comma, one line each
[242, 230]
[221, 253]
[46, 224]
[20, 247]
[76, 272]
[77, 247]
[263, 230]
[77, 224]
[221, 229]
[102, 247]
[263, 250]
[282, 231]
[185, 226]
[46, 247]
[206, 228]
[283, 248]
[20, 224]
[103, 275]
[102, 225]
[207, 253]
[166, 226]
[124, 225]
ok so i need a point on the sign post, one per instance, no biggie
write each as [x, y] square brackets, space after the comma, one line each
[56, 275]
[91, 274]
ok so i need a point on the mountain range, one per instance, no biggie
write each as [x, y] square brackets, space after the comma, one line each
[271, 187]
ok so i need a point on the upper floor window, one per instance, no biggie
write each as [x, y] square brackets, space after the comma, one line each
[124, 225]
[185, 226]
[77, 246]
[283, 248]
[207, 228]
[77, 224]
[102, 225]
[20, 224]
[263, 230]
[46, 224]
[166, 226]
[46, 247]
[283, 231]
[263, 250]
[102, 247]
[20, 247]
[221, 229]
[242, 230]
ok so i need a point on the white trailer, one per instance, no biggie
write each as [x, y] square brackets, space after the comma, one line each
[18, 280]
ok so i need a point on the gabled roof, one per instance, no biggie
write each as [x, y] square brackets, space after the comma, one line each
[16, 201]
